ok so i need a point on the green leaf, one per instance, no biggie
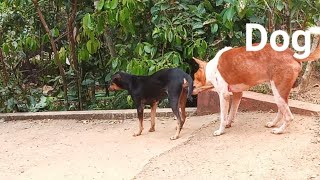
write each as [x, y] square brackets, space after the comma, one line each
[228, 14]
[152, 68]
[214, 28]
[219, 2]
[62, 54]
[86, 22]
[42, 103]
[164, 7]
[87, 82]
[199, 32]
[124, 15]
[5, 47]
[33, 44]
[45, 38]
[100, 25]
[197, 25]
[100, 5]
[93, 45]
[140, 49]
[83, 54]
[113, 4]
[209, 21]
[201, 47]
[90, 47]
[129, 100]
[176, 60]
[28, 41]
[280, 5]
[54, 32]
[170, 36]
[147, 47]
[208, 5]
[178, 40]
[153, 51]
[114, 63]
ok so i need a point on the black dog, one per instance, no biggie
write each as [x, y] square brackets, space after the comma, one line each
[149, 90]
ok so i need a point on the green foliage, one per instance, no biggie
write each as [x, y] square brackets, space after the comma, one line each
[139, 37]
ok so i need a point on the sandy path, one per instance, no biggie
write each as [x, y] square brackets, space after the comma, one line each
[67, 149]
[246, 151]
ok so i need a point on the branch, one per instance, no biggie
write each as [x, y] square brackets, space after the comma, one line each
[268, 6]
[43, 21]
[217, 42]
[60, 37]
[5, 72]
[56, 55]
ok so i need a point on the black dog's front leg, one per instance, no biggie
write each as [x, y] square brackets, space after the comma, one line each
[140, 117]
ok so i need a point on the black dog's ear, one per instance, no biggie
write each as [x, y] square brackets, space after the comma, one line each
[117, 76]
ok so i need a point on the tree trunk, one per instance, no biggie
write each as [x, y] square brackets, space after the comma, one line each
[305, 80]
[4, 69]
[109, 42]
[74, 59]
[287, 16]
[56, 55]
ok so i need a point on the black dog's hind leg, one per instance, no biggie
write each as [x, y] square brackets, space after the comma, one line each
[140, 117]
[153, 116]
[174, 94]
[182, 104]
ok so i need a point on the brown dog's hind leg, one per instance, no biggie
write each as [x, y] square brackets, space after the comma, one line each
[140, 117]
[236, 98]
[153, 116]
[281, 93]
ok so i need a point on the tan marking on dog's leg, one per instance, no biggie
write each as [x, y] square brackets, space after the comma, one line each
[224, 107]
[174, 103]
[275, 120]
[140, 128]
[182, 104]
[236, 99]
[153, 116]
[178, 130]
[140, 117]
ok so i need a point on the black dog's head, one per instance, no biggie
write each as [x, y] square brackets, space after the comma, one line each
[118, 82]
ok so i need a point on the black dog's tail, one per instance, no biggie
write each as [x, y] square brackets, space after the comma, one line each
[190, 85]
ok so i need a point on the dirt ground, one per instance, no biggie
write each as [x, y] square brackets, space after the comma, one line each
[69, 149]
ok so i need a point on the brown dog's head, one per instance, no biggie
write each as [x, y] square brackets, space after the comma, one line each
[200, 81]
[116, 82]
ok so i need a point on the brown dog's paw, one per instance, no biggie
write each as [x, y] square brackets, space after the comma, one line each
[152, 130]
[228, 125]
[174, 137]
[277, 131]
[270, 124]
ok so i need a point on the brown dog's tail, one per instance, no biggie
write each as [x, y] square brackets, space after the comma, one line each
[315, 55]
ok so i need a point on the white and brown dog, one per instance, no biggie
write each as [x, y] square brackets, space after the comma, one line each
[234, 70]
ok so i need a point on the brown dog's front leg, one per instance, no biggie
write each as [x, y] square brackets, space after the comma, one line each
[140, 117]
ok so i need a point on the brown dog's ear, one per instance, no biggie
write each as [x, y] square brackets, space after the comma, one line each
[200, 62]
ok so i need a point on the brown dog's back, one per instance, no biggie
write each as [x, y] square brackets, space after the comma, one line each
[239, 66]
